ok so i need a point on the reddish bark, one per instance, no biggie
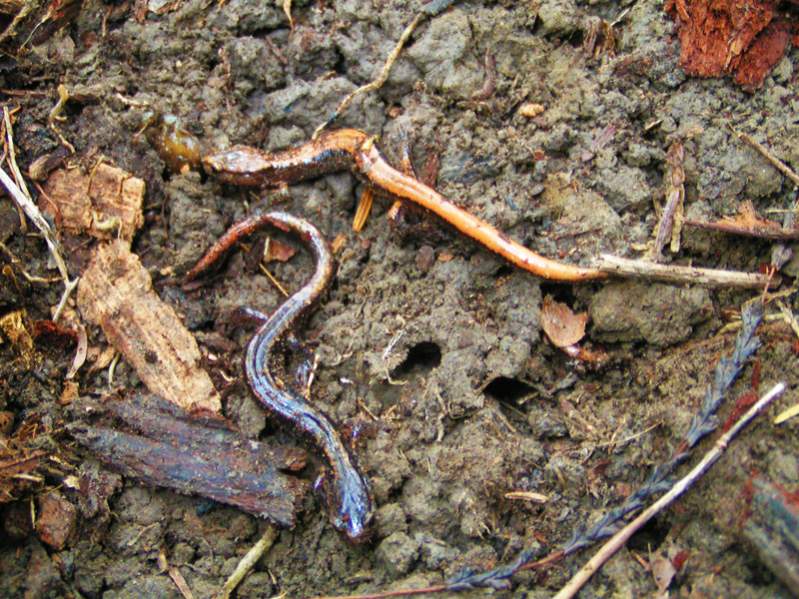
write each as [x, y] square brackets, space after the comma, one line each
[742, 38]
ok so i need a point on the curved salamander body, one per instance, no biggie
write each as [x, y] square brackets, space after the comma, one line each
[349, 496]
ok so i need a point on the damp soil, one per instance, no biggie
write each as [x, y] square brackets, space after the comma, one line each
[428, 345]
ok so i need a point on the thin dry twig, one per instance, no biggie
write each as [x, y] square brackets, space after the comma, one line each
[763, 151]
[710, 277]
[55, 115]
[33, 213]
[18, 263]
[173, 573]
[381, 78]
[711, 457]
[12, 153]
[248, 561]
[748, 222]
[273, 279]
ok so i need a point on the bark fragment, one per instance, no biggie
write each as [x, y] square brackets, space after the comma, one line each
[116, 293]
[742, 38]
[157, 443]
[106, 203]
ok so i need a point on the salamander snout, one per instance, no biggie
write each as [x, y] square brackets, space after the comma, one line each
[353, 505]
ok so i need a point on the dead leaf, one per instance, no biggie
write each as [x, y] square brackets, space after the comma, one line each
[747, 219]
[561, 325]
[663, 571]
[277, 250]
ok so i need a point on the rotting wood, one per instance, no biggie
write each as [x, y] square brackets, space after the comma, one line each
[772, 528]
[105, 203]
[116, 293]
[159, 444]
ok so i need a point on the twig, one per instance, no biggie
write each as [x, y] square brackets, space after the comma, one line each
[381, 78]
[710, 277]
[18, 263]
[10, 155]
[36, 216]
[273, 279]
[773, 233]
[248, 561]
[174, 574]
[386, 594]
[763, 151]
[432, 9]
[711, 457]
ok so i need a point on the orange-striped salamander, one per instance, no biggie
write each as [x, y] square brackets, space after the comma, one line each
[350, 148]
[349, 498]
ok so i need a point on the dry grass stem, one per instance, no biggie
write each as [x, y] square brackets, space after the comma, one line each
[248, 561]
[763, 151]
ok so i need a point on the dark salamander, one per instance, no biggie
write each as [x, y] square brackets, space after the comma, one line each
[349, 497]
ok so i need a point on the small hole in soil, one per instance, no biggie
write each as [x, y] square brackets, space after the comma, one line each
[421, 357]
[561, 293]
[651, 535]
[504, 271]
[507, 390]
[576, 39]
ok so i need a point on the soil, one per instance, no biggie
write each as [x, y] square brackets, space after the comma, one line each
[433, 342]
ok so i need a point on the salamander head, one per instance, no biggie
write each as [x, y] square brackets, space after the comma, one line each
[355, 520]
[350, 504]
[240, 165]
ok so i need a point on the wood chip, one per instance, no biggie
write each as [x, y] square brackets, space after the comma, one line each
[105, 203]
[116, 293]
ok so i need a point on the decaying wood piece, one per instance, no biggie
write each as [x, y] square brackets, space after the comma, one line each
[157, 443]
[772, 528]
[116, 293]
[106, 203]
